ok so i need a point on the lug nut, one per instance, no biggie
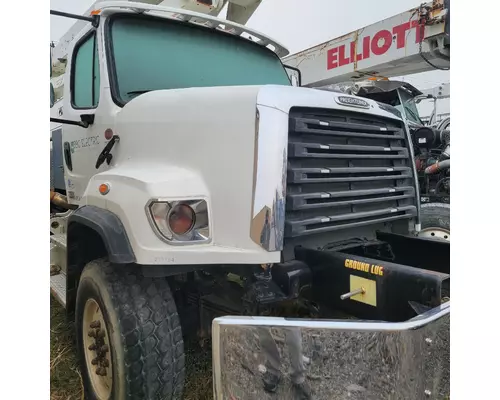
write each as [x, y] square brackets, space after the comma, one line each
[92, 347]
[95, 324]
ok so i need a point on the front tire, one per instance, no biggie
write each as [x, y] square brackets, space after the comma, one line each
[435, 219]
[135, 348]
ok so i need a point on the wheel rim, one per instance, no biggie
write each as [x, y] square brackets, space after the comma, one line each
[435, 233]
[97, 350]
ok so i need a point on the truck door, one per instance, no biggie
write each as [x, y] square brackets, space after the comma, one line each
[81, 146]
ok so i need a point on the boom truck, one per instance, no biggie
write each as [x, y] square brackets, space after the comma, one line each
[217, 197]
[360, 63]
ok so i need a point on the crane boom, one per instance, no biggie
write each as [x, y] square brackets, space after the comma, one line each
[439, 92]
[414, 41]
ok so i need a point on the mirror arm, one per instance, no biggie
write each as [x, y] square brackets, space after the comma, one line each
[82, 124]
[94, 18]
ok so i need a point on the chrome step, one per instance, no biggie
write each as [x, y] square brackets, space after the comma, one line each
[58, 287]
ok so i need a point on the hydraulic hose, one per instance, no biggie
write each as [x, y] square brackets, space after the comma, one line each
[437, 167]
[61, 201]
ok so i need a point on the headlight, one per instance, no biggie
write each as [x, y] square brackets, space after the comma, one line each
[180, 221]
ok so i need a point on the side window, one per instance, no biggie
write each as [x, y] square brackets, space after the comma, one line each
[86, 79]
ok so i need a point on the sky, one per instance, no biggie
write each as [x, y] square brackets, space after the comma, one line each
[297, 24]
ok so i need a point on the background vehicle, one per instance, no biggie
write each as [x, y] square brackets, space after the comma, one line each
[202, 191]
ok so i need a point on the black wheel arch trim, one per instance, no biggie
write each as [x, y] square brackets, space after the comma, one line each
[111, 230]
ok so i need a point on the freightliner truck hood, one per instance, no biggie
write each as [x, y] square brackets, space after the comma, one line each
[224, 144]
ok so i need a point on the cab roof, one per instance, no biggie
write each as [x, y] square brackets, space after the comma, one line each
[207, 21]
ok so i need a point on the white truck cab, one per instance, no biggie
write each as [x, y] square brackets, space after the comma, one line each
[186, 106]
[189, 158]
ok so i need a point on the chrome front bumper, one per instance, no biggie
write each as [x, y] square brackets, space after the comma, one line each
[344, 359]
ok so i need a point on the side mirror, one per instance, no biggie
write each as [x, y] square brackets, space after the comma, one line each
[52, 95]
[294, 75]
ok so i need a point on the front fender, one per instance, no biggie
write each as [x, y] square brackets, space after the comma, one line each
[133, 186]
[110, 228]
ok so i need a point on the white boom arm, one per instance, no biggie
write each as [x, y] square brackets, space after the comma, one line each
[439, 92]
[238, 11]
[417, 40]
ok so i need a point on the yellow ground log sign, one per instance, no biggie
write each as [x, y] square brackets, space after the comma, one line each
[365, 267]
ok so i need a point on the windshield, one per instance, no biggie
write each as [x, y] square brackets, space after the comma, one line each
[151, 54]
[408, 107]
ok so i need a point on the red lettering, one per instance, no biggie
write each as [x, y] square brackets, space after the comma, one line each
[343, 60]
[380, 44]
[386, 36]
[355, 57]
[400, 32]
[366, 47]
[332, 58]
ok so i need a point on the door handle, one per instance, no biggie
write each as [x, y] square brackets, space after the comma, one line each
[67, 156]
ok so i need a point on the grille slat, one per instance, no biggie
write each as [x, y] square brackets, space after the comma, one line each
[323, 199]
[346, 169]
[318, 224]
[317, 175]
[324, 125]
[318, 150]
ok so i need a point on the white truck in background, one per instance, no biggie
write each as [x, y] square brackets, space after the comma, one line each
[203, 192]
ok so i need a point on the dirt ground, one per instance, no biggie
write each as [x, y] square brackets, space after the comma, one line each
[65, 379]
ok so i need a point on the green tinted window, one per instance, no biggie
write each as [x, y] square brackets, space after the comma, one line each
[86, 75]
[159, 54]
[409, 108]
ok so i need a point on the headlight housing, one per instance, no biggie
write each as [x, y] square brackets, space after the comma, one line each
[180, 221]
